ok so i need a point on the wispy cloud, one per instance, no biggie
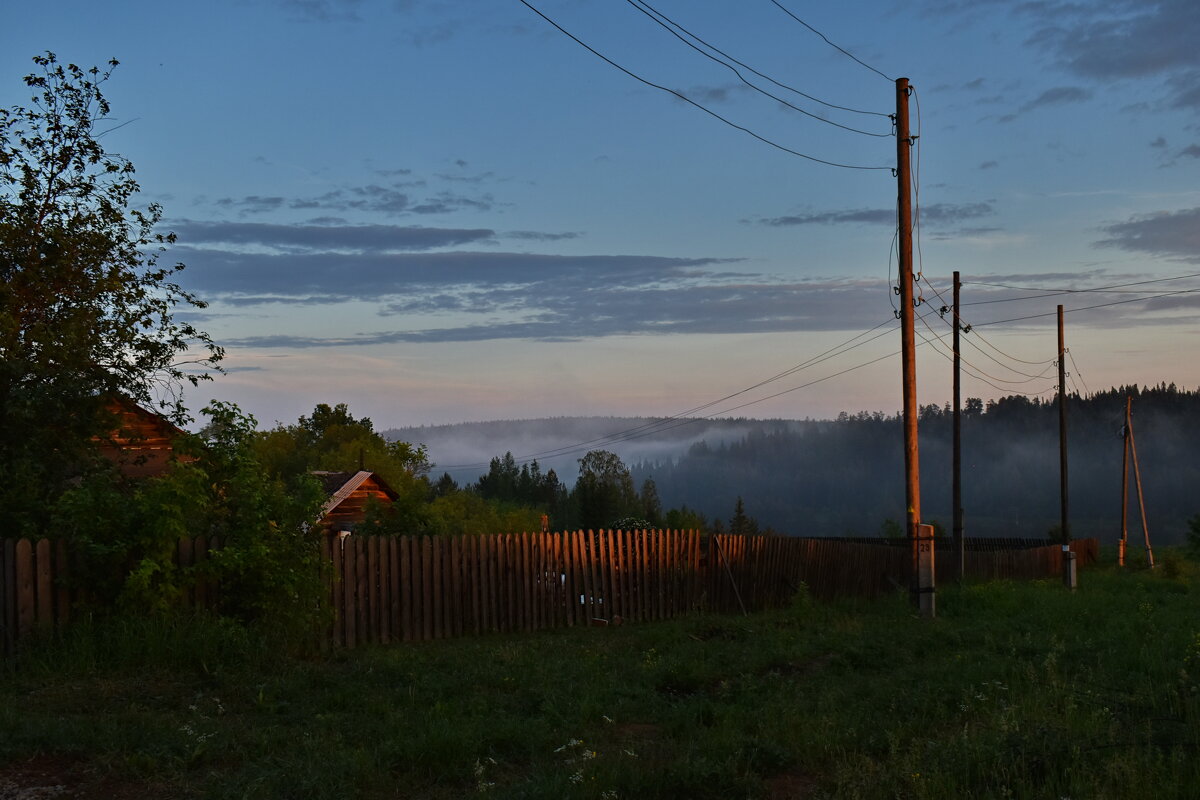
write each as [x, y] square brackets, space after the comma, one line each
[934, 214]
[1174, 234]
[359, 238]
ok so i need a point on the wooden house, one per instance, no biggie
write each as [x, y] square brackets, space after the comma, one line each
[142, 443]
[349, 493]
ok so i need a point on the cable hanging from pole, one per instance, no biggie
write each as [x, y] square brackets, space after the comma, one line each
[692, 102]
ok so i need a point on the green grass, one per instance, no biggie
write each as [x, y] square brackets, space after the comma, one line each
[1016, 690]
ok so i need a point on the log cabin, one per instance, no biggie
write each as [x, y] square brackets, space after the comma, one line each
[349, 493]
[142, 443]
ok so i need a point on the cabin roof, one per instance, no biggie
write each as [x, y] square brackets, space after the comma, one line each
[341, 485]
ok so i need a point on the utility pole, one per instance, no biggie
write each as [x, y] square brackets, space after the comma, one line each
[1137, 478]
[1068, 557]
[1124, 484]
[956, 500]
[921, 585]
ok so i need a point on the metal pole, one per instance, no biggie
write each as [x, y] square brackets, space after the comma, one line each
[956, 501]
[922, 596]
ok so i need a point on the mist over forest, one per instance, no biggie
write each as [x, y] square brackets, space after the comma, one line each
[845, 476]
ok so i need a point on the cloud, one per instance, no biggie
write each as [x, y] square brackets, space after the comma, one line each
[564, 314]
[1128, 39]
[391, 199]
[935, 214]
[359, 238]
[989, 165]
[539, 236]
[1191, 151]
[1058, 96]
[1174, 234]
[370, 276]
[323, 10]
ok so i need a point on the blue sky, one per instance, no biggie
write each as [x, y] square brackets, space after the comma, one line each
[445, 211]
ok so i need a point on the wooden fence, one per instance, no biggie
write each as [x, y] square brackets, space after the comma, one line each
[410, 588]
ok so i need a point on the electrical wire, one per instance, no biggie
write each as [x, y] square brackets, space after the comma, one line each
[659, 425]
[1068, 291]
[831, 44]
[1077, 372]
[940, 340]
[1003, 389]
[1087, 308]
[667, 23]
[690, 101]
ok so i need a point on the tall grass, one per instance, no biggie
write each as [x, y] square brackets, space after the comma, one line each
[1016, 690]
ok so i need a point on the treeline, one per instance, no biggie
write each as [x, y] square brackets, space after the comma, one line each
[845, 476]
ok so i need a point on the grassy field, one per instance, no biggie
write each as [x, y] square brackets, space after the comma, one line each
[1016, 690]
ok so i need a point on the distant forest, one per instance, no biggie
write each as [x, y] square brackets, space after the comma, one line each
[845, 476]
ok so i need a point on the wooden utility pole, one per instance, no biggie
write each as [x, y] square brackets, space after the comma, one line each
[921, 585]
[1137, 478]
[1067, 555]
[956, 500]
[1124, 485]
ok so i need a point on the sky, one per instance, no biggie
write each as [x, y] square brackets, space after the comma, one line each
[447, 211]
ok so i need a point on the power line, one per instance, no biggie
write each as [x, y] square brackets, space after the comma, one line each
[660, 425]
[663, 20]
[831, 44]
[1055, 292]
[940, 340]
[1077, 372]
[690, 101]
[1088, 308]
[980, 378]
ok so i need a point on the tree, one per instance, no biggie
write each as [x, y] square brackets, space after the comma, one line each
[604, 492]
[85, 308]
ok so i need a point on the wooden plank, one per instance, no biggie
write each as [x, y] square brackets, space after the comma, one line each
[386, 596]
[395, 627]
[608, 557]
[338, 590]
[571, 584]
[372, 575]
[408, 586]
[362, 590]
[578, 584]
[45, 584]
[23, 564]
[510, 584]
[482, 545]
[426, 588]
[532, 579]
[350, 591]
[439, 586]
[524, 582]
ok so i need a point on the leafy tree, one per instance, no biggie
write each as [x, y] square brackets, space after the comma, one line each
[332, 439]
[85, 308]
[125, 530]
[685, 519]
[604, 491]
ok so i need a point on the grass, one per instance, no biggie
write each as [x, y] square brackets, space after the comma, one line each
[1016, 690]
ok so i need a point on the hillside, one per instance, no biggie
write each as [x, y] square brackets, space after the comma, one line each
[844, 476]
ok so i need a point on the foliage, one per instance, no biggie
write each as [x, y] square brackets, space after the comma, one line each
[604, 491]
[126, 530]
[85, 308]
[1193, 537]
